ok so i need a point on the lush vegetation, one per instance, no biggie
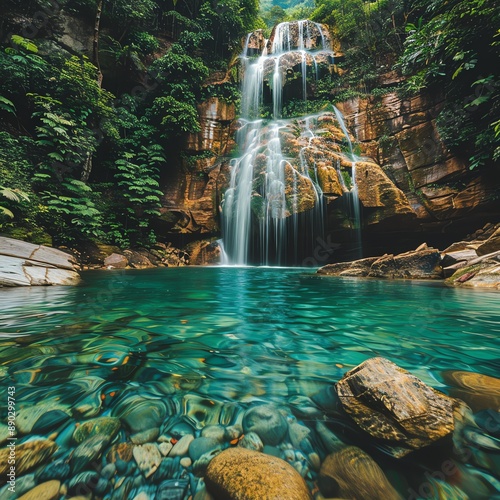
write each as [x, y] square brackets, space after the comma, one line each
[446, 47]
[85, 139]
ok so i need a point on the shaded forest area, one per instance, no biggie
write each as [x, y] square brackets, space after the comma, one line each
[85, 137]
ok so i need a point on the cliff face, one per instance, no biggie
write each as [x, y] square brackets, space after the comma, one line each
[402, 137]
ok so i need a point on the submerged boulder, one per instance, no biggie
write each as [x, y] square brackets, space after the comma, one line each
[238, 473]
[394, 406]
[352, 473]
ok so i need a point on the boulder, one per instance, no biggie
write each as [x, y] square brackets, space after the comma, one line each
[394, 406]
[238, 473]
[413, 265]
[116, 261]
[357, 268]
[137, 260]
[492, 244]
[482, 272]
[25, 264]
[351, 473]
[418, 264]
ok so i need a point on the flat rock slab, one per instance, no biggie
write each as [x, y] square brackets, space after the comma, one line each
[25, 264]
[241, 474]
[395, 406]
[37, 253]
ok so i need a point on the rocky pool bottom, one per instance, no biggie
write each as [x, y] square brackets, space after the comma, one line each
[130, 385]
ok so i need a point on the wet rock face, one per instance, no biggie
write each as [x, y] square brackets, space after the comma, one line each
[402, 135]
[264, 477]
[392, 405]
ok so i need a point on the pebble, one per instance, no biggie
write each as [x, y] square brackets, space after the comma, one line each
[216, 432]
[165, 448]
[27, 416]
[202, 445]
[186, 462]
[297, 433]
[182, 446]
[108, 471]
[147, 436]
[44, 491]
[107, 426]
[148, 458]
[56, 470]
[84, 482]
[267, 422]
[251, 441]
[23, 484]
[172, 489]
[49, 421]
[88, 451]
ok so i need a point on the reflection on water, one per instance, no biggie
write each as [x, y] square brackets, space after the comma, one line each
[236, 336]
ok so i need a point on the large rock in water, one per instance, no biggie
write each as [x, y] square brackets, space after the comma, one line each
[351, 473]
[24, 264]
[423, 263]
[241, 474]
[395, 406]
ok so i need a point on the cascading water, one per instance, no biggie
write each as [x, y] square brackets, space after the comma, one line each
[273, 210]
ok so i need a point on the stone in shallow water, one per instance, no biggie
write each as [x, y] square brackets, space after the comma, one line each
[391, 404]
[88, 451]
[182, 446]
[28, 455]
[28, 416]
[202, 445]
[83, 483]
[216, 432]
[44, 491]
[140, 414]
[267, 422]
[55, 470]
[120, 451]
[107, 426]
[148, 458]
[147, 436]
[251, 441]
[172, 489]
[351, 473]
[250, 475]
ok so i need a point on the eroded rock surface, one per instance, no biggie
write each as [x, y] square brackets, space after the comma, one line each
[25, 264]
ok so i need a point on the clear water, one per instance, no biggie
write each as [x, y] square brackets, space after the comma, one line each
[245, 334]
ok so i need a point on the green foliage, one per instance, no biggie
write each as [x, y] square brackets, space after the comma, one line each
[453, 46]
[88, 162]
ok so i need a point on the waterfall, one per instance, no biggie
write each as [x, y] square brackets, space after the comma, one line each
[273, 209]
[352, 196]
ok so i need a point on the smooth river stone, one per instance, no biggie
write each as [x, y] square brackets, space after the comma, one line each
[351, 473]
[140, 414]
[88, 451]
[202, 445]
[216, 432]
[27, 416]
[182, 446]
[148, 458]
[107, 426]
[28, 455]
[251, 441]
[44, 491]
[49, 421]
[479, 391]
[267, 422]
[237, 473]
[147, 436]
